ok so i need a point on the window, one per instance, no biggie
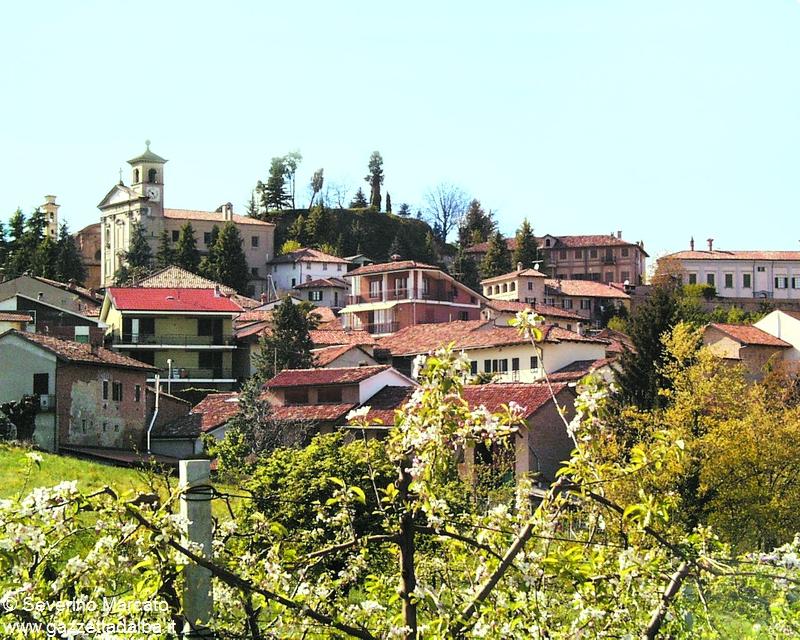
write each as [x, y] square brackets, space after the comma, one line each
[254, 271]
[586, 303]
[207, 238]
[512, 286]
[578, 253]
[324, 266]
[487, 366]
[315, 296]
[710, 279]
[534, 362]
[569, 327]
[105, 389]
[626, 276]
[116, 391]
[329, 395]
[530, 285]
[137, 393]
[796, 282]
[547, 242]
[375, 288]
[135, 176]
[211, 361]
[692, 278]
[338, 266]
[296, 396]
[761, 269]
[463, 315]
[473, 367]
[152, 175]
[562, 254]
[294, 282]
[175, 235]
[594, 277]
[41, 384]
[729, 281]
[515, 364]
[254, 241]
[746, 280]
[781, 282]
[609, 276]
[593, 253]
[209, 327]
[566, 303]
[624, 252]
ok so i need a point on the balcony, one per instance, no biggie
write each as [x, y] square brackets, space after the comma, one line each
[609, 260]
[381, 327]
[170, 340]
[180, 374]
[409, 293]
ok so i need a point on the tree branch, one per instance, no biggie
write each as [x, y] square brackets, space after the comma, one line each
[455, 536]
[657, 619]
[347, 545]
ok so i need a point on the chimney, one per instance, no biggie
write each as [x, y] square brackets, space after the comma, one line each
[691, 243]
[619, 235]
[264, 298]
[227, 212]
[72, 284]
[395, 257]
[40, 295]
[710, 244]
[519, 266]
[217, 292]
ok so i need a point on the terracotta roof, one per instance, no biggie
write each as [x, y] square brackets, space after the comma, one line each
[170, 299]
[15, 316]
[468, 334]
[547, 310]
[216, 409]
[212, 216]
[735, 255]
[577, 370]
[617, 341]
[326, 314]
[254, 315]
[316, 377]
[252, 329]
[335, 283]
[328, 337]
[387, 267]
[531, 396]
[748, 334]
[307, 254]
[244, 302]
[178, 278]
[312, 412]
[534, 273]
[583, 289]
[80, 353]
[382, 405]
[326, 355]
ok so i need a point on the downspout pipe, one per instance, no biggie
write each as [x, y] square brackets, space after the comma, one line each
[155, 412]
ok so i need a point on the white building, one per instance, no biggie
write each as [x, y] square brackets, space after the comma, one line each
[786, 326]
[742, 274]
[305, 265]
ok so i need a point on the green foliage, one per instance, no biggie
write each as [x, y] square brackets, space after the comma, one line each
[273, 194]
[229, 266]
[404, 210]
[139, 254]
[497, 261]
[299, 231]
[359, 201]
[465, 270]
[44, 259]
[525, 252]
[477, 226]
[187, 256]
[289, 246]
[375, 179]
[388, 203]
[318, 227]
[68, 265]
[315, 186]
[165, 255]
[290, 162]
[288, 344]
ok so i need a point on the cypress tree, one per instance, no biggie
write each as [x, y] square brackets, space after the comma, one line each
[388, 203]
[230, 262]
[525, 252]
[166, 255]
[186, 254]
[3, 245]
[43, 262]
[139, 255]
[496, 262]
[69, 264]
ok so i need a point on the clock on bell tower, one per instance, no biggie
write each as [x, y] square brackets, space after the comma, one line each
[148, 178]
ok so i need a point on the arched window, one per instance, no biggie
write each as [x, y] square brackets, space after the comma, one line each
[151, 175]
[135, 176]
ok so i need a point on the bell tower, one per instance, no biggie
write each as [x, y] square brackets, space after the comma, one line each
[147, 178]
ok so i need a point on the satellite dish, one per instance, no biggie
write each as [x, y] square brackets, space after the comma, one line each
[536, 266]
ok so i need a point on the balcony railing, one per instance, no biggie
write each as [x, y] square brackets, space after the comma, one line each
[408, 293]
[181, 374]
[171, 340]
[381, 327]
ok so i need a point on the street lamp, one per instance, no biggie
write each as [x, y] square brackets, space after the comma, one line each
[169, 376]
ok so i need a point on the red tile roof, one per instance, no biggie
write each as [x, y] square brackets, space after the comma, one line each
[387, 267]
[212, 216]
[583, 289]
[531, 396]
[312, 412]
[325, 314]
[80, 353]
[617, 341]
[748, 334]
[578, 369]
[179, 278]
[328, 337]
[254, 315]
[323, 282]
[216, 409]
[15, 316]
[532, 273]
[468, 334]
[317, 377]
[735, 255]
[326, 355]
[171, 299]
[546, 310]
[382, 405]
[252, 329]
[306, 254]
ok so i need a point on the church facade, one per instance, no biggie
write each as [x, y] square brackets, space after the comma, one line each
[143, 202]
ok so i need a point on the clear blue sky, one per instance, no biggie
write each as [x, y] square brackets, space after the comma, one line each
[662, 119]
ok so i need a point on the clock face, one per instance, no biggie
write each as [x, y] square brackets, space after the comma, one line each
[153, 193]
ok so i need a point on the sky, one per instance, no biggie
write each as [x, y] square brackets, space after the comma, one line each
[664, 120]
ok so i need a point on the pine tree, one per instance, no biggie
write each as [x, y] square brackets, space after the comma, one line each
[359, 201]
[496, 262]
[525, 253]
[375, 179]
[465, 270]
[139, 255]
[186, 253]
[288, 345]
[3, 245]
[274, 195]
[35, 230]
[230, 262]
[640, 376]
[388, 203]
[404, 210]
[252, 205]
[477, 225]
[298, 231]
[18, 260]
[69, 264]
[43, 262]
[166, 255]
[429, 252]
[318, 226]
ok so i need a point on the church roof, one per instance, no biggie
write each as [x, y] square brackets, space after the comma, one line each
[147, 156]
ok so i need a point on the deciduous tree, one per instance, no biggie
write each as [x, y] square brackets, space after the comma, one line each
[445, 206]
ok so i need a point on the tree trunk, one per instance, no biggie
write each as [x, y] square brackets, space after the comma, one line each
[408, 577]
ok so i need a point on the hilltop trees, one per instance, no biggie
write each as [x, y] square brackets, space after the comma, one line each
[273, 193]
[445, 206]
[525, 251]
[359, 200]
[315, 186]
[69, 265]
[476, 226]
[496, 261]
[375, 179]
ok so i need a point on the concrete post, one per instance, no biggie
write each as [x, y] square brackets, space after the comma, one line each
[196, 509]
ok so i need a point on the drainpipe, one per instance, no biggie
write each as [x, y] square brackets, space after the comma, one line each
[155, 413]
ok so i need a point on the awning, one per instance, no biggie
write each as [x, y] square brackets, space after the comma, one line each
[369, 306]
